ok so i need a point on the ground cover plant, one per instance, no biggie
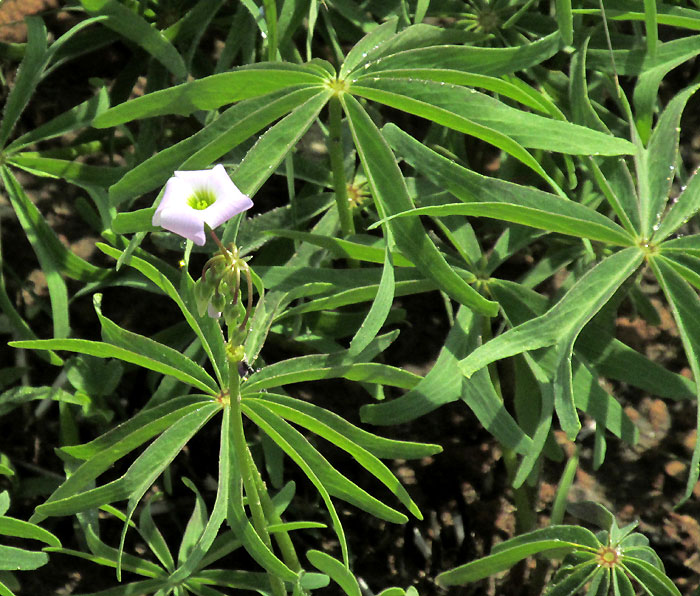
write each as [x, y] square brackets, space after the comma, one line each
[269, 213]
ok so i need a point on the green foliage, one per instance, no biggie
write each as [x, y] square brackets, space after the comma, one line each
[387, 158]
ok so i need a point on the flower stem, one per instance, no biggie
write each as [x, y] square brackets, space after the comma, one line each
[215, 238]
[335, 151]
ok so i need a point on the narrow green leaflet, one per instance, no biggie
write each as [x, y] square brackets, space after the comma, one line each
[576, 223]
[502, 560]
[685, 307]
[338, 572]
[147, 423]
[34, 225]
[101, 453]
[18, 559]
[650, 69]
[41, 235]
[233, 126]
[359, 453]
[683, 244]
[190, 561]
[142, 473]
[374, 50]
[301, 451]
[565, 21]
[209, 93]
[70, 170]
[112, 333]
[521, 305]
[346, 248]
[378, 446]
[658, 162]
[527, 129]
[293, 446]
[153, 536]
[560, 326]
[360, 51]
[105, 350]
[501, 199]
[215, 352]
[128, 23]
[681, 210]
[10, 526]
[78, 117]
[655, 581]
[514, 88]
[440, 115]
[650, 22]
[391, 196]
[28, 76]
[20, 327]
[488, 61]
[328, 366]
[272, 147]
[444, 384]
[379, 311]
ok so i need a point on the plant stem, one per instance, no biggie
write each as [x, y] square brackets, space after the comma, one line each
[282, 539]
[247, 466]
[524, 509]
[335, 151]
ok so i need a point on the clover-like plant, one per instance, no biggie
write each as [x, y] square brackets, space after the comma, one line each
[607, 562]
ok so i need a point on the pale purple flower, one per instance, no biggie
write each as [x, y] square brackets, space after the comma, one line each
[197, 197]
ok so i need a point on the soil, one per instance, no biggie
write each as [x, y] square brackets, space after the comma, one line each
[462, 492]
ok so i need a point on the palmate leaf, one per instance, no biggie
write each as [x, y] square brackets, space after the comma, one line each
[212, 92]
[685, 307]
[560, 326]
[390, 194]
[300, 450]
[444, 384]
[560, 539]
[141, 474]
[232, 127]
[101, 453]
[159, 358]
[477, 60]
[657, 164]
[364, 457]
[450, 104]
[501, 199]
[203, 327]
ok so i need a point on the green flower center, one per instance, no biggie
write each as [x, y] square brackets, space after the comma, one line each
[608, 557]
[201, 199]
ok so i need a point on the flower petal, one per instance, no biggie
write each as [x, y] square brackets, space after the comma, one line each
[175, 196]
[196, 178]
[184, 221]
